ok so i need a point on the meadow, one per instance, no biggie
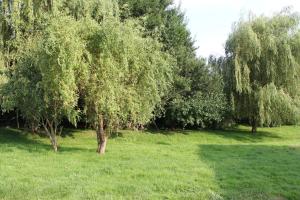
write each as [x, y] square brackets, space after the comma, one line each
[229, 164]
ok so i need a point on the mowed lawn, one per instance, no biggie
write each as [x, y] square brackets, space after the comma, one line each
[231, 164]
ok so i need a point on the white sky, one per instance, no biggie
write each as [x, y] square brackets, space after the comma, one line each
[210, 21]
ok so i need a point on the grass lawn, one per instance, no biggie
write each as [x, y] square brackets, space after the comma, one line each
[153, 165]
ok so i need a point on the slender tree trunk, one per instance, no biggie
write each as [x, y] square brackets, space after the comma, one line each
[101, 136]
[254, 126]
[53, 132]
[54, 142]
[254, 129]
[17, 116]
[50, 130]
[34, 128]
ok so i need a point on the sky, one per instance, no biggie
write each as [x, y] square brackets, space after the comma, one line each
[210, 21]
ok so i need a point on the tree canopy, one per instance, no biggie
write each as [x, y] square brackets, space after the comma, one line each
[264, 57]
[42, 84]
[127, 75]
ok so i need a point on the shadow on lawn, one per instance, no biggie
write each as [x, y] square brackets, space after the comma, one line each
[243, 135]
[21, 140]
[18, 139]
[168, 132]
[255, 171]
[68, 133]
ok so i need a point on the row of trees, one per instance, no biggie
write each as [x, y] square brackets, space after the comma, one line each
[130, 63]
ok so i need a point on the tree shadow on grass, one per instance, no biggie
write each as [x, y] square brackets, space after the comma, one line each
[19, 139]
[116, 134]
[238, 134]
[243, 135]
[254, 171]
[13, 138]
[168, 132]
[68, 133]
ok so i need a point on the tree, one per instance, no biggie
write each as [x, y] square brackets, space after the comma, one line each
[263, 66]
[201, 102]
[151, 13]
[43, 84]
[196, 98]
[128, 75]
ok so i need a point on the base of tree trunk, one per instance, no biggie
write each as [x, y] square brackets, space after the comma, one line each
[54, 144]
[101, 136]
[55, 148]
[102, 146]
[254, 130]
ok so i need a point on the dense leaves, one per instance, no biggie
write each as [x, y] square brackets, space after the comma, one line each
[43, 84]
[128, 75]
[264, 69]
[194, 99]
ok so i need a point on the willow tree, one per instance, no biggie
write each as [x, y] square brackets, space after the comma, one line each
[264, 56]
[127, 75]
[43, 85]
[18, 20]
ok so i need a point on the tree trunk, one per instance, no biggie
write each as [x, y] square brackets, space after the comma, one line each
[51, 132]
[33, 127]
[54, 142]
[254, 129]
[17, 116]
[101, 136]
[254, 126]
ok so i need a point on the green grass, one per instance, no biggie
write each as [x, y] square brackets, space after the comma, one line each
[153, 165]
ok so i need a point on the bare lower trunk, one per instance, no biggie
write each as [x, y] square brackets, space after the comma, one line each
[51, 130]
[54, 142]
[254, 126]
[254, 129]
[102, 145]
[101, 136]
[17, 116]
[34, 128]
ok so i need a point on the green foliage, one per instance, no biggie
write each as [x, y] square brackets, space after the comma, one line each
[152, 13]
[277, 107]
[198, 100]
[133, 61]
[3, 77]
[199, 110]
[43, 84]
[96, 9]
[193, 84]
[123, 72]
[119, 73]
[264, 69]
[128, 74]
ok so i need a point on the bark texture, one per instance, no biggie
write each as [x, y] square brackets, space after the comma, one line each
[254, 126]
[101, 136]
[51, 130]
